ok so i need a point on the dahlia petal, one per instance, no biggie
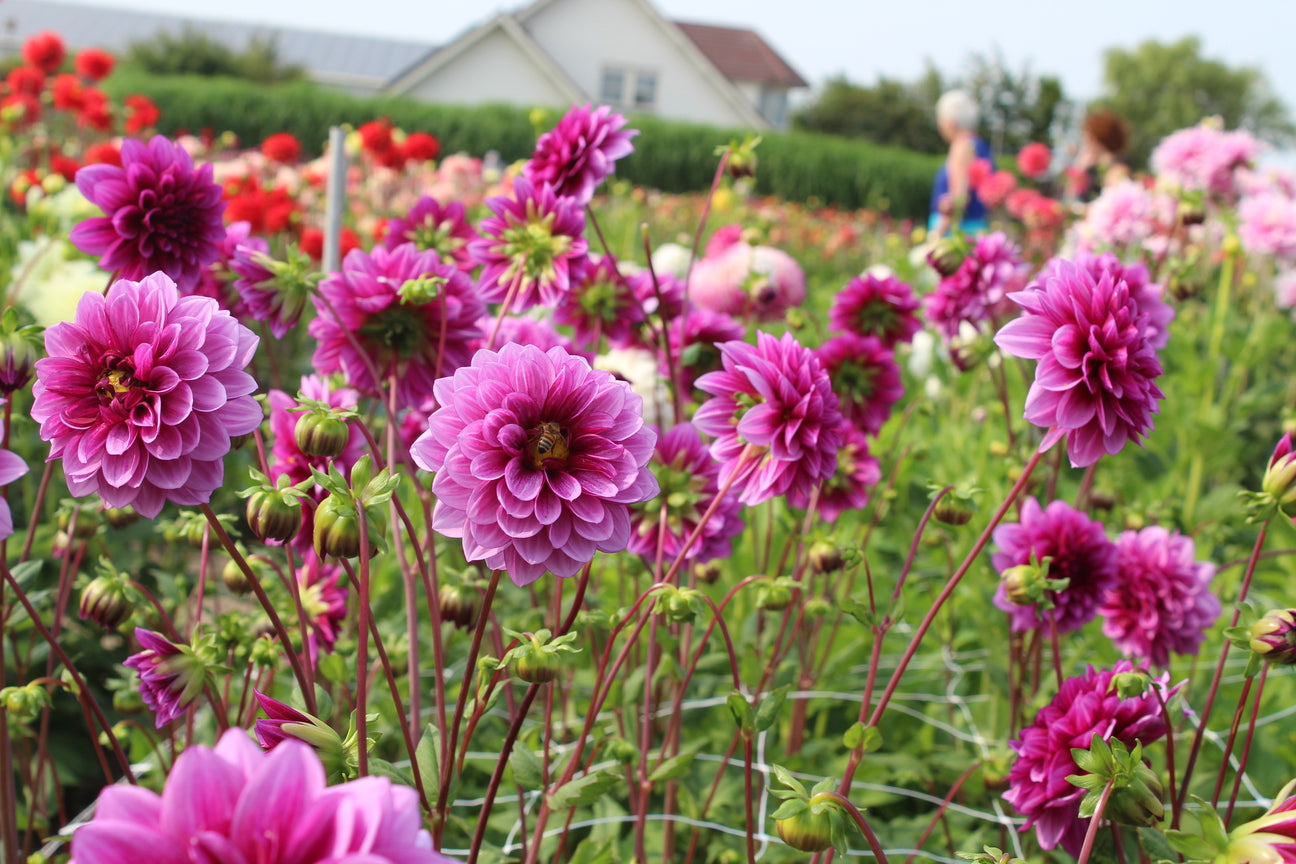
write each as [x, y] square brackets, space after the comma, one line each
[112, 842]
[201, 793]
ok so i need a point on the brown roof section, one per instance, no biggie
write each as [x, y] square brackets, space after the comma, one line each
[741, 55]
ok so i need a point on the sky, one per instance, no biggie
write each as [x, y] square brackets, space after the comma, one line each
[862, 39]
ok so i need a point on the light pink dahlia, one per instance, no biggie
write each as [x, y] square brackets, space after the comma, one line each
[1162, 602]
[235, 803]
[856, 474]
[774, 397]
[880, 306]
[159, 213]
[1267, 225]
[580, 152]
[865, 378]
[1095, 382]
[757, 282]
[1126, 215]
[1085, 706]
[413, 315]
[1079, 551]
[537, 458]
[1206, 159]
[532, 248]
[689, 481]
[142, 392]
[431, 225]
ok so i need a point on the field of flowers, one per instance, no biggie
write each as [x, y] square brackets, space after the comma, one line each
[569, 521]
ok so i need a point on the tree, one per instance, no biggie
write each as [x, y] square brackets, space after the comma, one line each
[194, 53]
[887, 112]
[1159, 88]
[1016, 107]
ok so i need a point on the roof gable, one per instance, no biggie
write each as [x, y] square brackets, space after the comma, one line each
[741, 54]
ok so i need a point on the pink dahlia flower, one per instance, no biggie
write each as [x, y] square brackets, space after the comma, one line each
[602, 305]
[880, 306]
[1034, 159]
[1162, 602]
[695, 346]
[689, 481]
[1079, 552]
[1085, 706]
[1126, 215]
[1203, 158]
[776, 422]
[537, 458]
[12, 467]
[524, 330]
[169, 679]
[865, 378]
[413, 315]
[532, 248]
[324, 600]
[1145, 295]
[580, 152]
[1268, 225]
[160, 213]
[1095, 381]
[977, 289]
[431, 225]
[236, 803]
[745, 281]
[1268, 839]
[142, 392]
[857, 472]
[217, 279]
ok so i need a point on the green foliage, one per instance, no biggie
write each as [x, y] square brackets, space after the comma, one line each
[887, 112]
[1159, 87]
[1016, 107]
[191, 52]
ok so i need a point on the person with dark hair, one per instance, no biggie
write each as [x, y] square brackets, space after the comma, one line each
[954, 202]
[1103, 139]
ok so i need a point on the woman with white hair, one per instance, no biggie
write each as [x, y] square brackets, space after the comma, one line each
[954, 203]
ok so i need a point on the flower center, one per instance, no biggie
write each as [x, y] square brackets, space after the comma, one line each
[684, 493]
[115, 384]
[437, 237]
[533, 246]
[546, 443]
[601, 301]
[397, 328]
[878, 318]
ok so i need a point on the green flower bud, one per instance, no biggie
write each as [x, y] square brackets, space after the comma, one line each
[337, 529]
[826, 558]
[321, 433]
[807, 831]
[1273, 637]
[274, 514]
[946, 257]
[952, 510]
[459, 605]
[1018, 582]
[774, 596]
[235, 579]
[107, 600]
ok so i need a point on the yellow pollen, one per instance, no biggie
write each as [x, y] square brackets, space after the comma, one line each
[119, 380]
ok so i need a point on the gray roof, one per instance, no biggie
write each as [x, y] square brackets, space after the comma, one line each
[327, 57]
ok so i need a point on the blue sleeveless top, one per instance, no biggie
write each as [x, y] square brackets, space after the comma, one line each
[974, 209]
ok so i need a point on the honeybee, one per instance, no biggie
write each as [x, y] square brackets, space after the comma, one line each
[546, 441]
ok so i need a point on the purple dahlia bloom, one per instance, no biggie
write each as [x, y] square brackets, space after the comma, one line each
[848, 488]
[978, 288]
[532, 249]
[410, 333]
[689, 481]
[1085, 706]
[1095, 381]
[159, 213]
[271, 291]
[537, 458]
[693, 346]
[864, 376]
[12, 467]
[580, 152]
[1079, 551]
[142, 392]
[774, 418]
[880, 306]
[1147, 296]
[602, 305]
[323, 598]
[430, 225]
[169, 677]
[235, 803]
[1162, 601]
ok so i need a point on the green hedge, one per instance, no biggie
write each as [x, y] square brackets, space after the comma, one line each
[673, 157]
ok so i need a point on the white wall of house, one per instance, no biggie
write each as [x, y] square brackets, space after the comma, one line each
[494, 69]
[592, 38]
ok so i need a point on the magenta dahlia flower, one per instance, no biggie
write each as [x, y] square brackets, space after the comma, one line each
[1145, 295]
[1268, 839]
[689, 481]
[159, 213]
[525, 330]
[880, 306]
[977, 289]
[774, 417]
[602, 305]
[276, 292]
[413, 316]
[580, 152]
[864, 376]
[532, 248]
[1095, 382]
[848, 488]
[142, 392]
[237, 803]
[1079, 551]
[12, 467]
[1085, 706]
[324, 601]
[431, 225]
[537, 458]
[1162, 602]
[695, 347]
[170, 679]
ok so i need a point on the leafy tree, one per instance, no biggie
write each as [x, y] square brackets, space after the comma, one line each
[1016, 107]
[1159, 88]
[887, 112]
[194, 53]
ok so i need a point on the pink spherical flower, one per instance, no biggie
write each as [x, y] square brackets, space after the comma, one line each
[237, 803]
[978, 288]
[1034, 159]
[1147, 296]
[856, 474]
[142, 392]
[580, 152]
[532, 248]
[865, 378]
[160, 213]
[169, 681]
[745, 281]
[1125, 215]
[689, 481]
[996, 188]
[430, 225]
[775, 420]
[1162, 602]
[1268, 225]
[413, 315]
[1206, 159]
[1085, 706]
[1079, 552]
[1095, 381]
[880, 306]
[537, 458]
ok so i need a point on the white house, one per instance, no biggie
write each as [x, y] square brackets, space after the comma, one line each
[618, 52]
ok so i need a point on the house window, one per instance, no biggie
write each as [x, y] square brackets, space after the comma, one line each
[773, 106]
[634, 89]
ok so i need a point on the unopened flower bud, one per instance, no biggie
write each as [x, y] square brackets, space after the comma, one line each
[1131, 685]
[321, 433]
[952, 510]
[459, 605]
[1138, 801]
[1018, 584]
[946, 257]
[107, 600]
[774, 596]
[79, 522]
[25, 702]
[807, 831]
[120, 517]
[337, 529]
[1279, 482]
[235, 579]
[1273, 637]
[537, 658]
[816, 607]
[274, 514]
[707, 573]
[19, 348]
[826, 558]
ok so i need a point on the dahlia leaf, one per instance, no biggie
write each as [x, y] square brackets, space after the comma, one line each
[427, 756]
[770, 707]
[742, 712]
[584, 790]
[676, 765]
[527, 770]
